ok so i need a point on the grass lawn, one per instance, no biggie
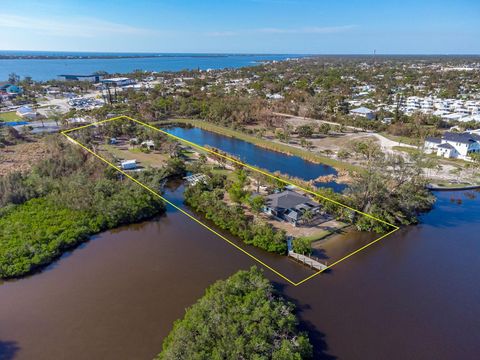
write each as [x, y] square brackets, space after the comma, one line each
[406, 149]
[402, 139]
[146, 159]
[450, 185]
[318, 235]
[228, 173]
[453, 162]
[283, 148]
[323, 233]
[10, 116]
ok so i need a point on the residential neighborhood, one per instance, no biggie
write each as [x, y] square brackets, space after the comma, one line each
[239, 180]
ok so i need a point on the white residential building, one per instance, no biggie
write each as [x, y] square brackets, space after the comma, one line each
[363, 112]
[453, 145]
[26, 112]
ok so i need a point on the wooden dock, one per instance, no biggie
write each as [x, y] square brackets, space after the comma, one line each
[304, 259]
[314, 264]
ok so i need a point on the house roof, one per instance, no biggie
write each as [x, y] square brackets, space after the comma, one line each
[292, 214]
[433, 140]
[465, 138]
[25, 110]
[288, 199]
[446, 146]
[362, 110]
[14, 89]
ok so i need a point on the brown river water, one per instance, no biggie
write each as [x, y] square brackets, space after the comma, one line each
[414, 295]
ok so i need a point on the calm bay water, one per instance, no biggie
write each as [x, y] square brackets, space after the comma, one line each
[263, 158]
[47, 69]
[414, 295]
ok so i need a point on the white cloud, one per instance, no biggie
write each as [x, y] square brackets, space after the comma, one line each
[309, 30]
[223, 33]
[78, 27]
[303, 30]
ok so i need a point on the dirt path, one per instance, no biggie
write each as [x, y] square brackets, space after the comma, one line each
[387, 144]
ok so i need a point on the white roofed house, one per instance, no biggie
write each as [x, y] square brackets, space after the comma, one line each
[446, 150]
[454, 145]
[149, 144]
[431, 144]
[26, 112]
[363, 112]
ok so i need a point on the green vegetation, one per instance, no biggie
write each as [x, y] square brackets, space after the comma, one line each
[391, 188]
[238, 318]
[403, 139]
[302, 245]
[208, 199]
[63, 200]
[447, 185]
[406, 149]
[38, 231]
[9, 116]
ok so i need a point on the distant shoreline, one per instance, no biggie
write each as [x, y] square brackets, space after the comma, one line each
[92, 57]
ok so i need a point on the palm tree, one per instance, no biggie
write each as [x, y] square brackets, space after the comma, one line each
[307, 216]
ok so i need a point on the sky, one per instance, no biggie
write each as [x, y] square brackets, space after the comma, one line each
[243, 26]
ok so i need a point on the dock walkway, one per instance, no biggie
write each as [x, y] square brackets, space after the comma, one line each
[304, 259]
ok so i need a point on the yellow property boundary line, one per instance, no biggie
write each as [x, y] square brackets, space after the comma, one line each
[395, 228]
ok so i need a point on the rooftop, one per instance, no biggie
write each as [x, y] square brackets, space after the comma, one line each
[465, 138]
[433, 140]
[446, 146]
[288, 199]
[362, 110]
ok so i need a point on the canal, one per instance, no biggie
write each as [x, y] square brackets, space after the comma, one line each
[257, 156]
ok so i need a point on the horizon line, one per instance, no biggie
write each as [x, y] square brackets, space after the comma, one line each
[251, 53]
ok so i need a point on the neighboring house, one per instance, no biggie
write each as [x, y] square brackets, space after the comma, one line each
[363, 112]
[149, 144]
[290, 206]
[454, 145]
[15, 90]
[26, 112]
[10, 90]
[431, 144]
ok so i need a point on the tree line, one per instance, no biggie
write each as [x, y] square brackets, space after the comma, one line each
[208, 200]
[242, 317]
[62, 201]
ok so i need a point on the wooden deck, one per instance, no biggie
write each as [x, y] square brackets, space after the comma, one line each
[306, 260]
[317, 265]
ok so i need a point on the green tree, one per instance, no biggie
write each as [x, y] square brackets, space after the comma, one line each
[238, 318]
[305, 131]
[302, 245]
[13, 78]
[324, 128]
[257, 203]
[390, 188]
